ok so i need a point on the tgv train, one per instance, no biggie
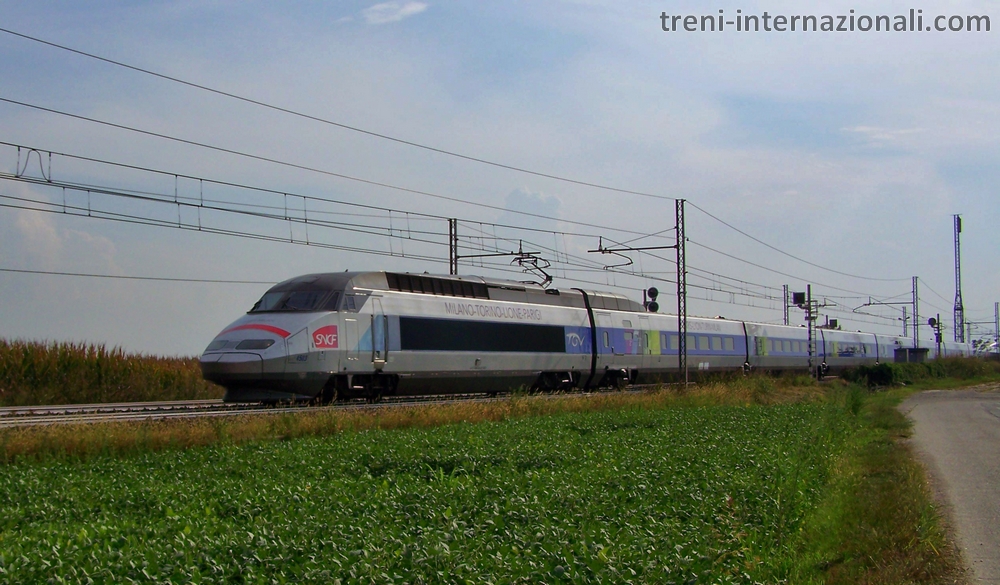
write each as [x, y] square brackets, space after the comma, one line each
[370, 334]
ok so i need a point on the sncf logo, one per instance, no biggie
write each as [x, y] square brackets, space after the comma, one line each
[325, 337]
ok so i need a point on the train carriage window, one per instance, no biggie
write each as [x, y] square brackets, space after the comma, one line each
[607, 343]
[429, 334]
[628, 335]
[663, 340]
[675, 342]
[332, 302]
[702, 342]
[786, 346]
[416, 283]
[626, 323]
[716, 344]
[690, 342]
[730, 344]
[301, 297]
[302, 300]
[268, 301]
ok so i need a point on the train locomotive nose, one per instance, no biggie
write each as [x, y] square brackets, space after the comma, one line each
[244, 356]
[251, 361]
[227, 367]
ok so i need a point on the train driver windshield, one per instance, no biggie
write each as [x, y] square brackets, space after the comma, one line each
[297, 300]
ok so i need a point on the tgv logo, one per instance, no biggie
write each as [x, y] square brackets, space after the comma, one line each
[326, 337]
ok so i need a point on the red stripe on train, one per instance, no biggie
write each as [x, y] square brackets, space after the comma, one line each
[269, 328]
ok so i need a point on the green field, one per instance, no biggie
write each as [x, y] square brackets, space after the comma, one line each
[670, 495]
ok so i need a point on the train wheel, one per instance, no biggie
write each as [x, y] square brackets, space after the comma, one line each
[621, 380]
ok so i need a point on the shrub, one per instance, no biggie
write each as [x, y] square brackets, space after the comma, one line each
[892, 374]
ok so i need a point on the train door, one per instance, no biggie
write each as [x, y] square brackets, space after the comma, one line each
[380, 328]
[756, 345]
[605, 340]
[352, 342]
[824, 361]
[646, 343]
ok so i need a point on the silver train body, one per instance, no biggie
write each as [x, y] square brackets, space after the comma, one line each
[371, 334]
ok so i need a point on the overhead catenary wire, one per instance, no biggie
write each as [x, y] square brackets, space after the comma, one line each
[414, 144]
[338, 124]
[438, 150]
[788, 254]
[128, 277]
[124, 218]
[372, 230]
[341, 202]
[752, 300]
[923, 284]
[362, 229]
[56, 207]
[297, 166]
[585, 264]
[762, 267]
[379, 231]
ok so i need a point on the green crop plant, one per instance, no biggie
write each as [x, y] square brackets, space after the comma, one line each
[644, 495]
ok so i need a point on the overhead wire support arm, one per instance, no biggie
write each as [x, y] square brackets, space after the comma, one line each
[681, 262]
[521, 258]
[602, 249]
[872, 303]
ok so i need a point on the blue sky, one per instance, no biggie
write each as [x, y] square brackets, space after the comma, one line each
[850, 150]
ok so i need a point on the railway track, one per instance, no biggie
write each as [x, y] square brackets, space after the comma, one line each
[26, 416]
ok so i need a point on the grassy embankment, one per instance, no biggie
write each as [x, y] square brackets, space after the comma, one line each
[75, 373]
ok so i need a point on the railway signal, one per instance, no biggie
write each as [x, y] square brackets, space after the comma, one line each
[935, 324]
[651, 305]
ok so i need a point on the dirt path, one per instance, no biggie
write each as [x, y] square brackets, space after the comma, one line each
[956, 434]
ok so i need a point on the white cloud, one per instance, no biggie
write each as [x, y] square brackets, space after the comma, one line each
[392, 11]
[39, 236]
[879, 136]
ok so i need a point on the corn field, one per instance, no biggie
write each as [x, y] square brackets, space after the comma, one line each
[78, 373]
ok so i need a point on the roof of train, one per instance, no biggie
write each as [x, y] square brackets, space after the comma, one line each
[460, 286]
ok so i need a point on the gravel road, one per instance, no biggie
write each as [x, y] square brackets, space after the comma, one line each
[956, 434]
